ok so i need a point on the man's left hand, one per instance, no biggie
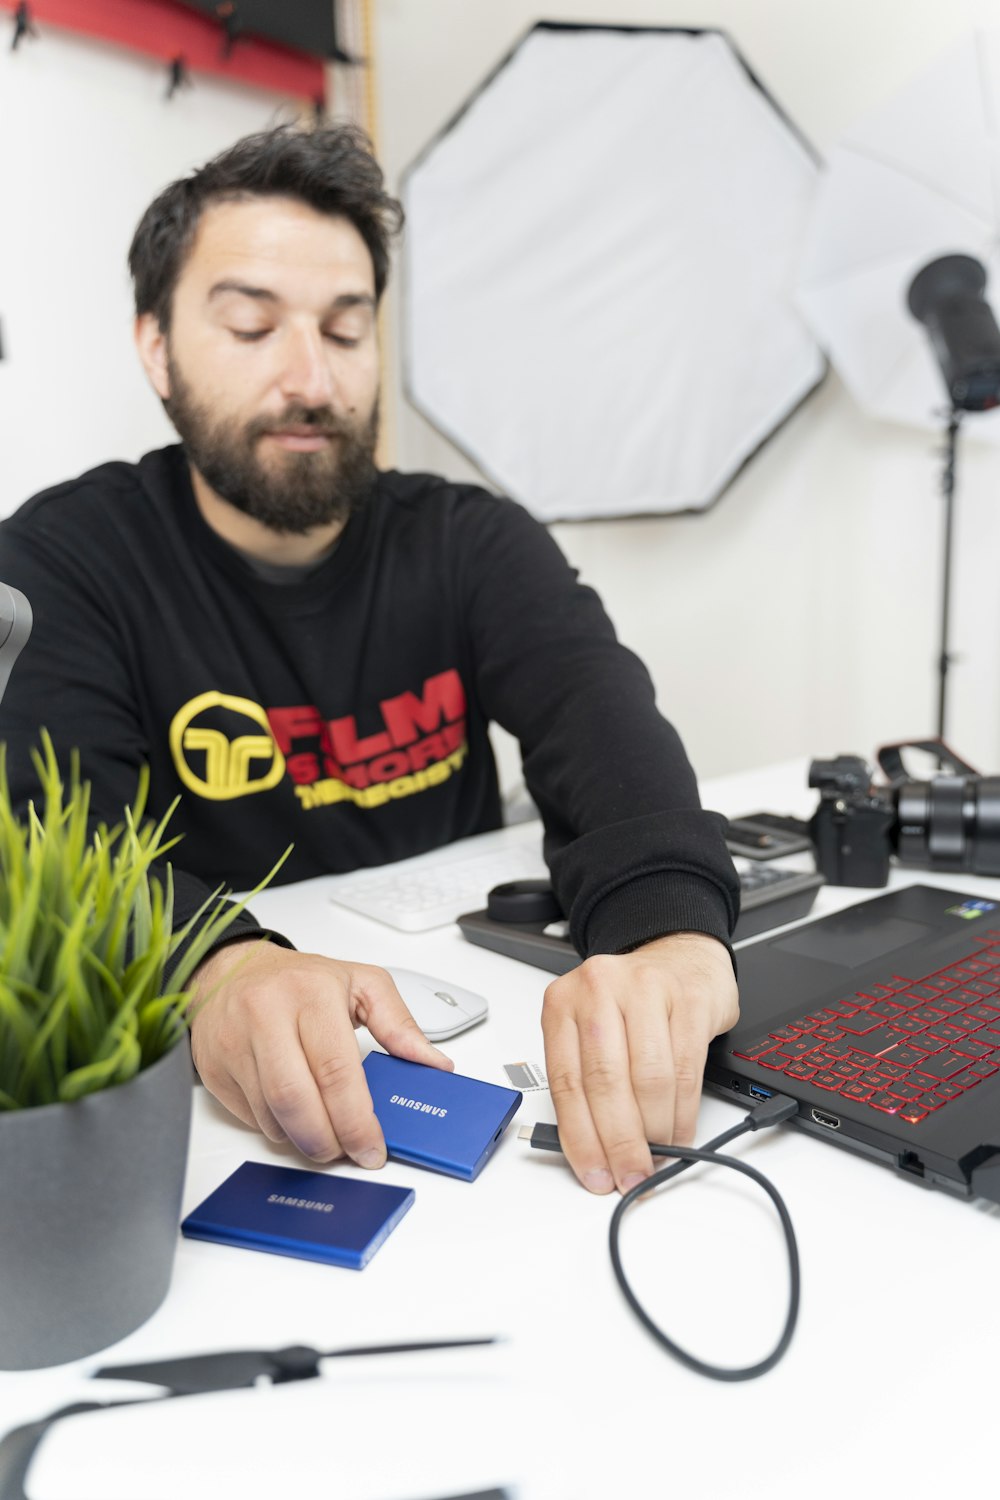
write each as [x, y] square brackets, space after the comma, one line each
[626, 1037]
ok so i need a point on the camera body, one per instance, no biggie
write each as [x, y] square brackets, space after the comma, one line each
[951, 822]
[851, 828]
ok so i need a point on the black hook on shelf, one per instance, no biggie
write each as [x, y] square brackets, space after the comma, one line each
[178, 76]
[23, 26]
[228, 12]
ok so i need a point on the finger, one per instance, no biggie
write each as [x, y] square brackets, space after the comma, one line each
[291, 1091]
[234, 1098]
[225, 1084]
[331, 1049]
[254, 1110]
[607, 1083]
[651, 1063]
[581, 1145]
[380, 1007]
[689, 1072]
[690, 1044]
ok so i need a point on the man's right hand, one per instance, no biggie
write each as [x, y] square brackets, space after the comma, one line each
[272, 1037]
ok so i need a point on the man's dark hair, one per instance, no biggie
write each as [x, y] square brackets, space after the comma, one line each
[331, 168]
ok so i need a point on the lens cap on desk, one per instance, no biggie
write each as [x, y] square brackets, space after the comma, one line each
[523, 901]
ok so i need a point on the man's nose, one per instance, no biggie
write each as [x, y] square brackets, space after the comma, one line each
[306, 375]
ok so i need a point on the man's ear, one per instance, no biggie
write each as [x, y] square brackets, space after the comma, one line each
[151, 342]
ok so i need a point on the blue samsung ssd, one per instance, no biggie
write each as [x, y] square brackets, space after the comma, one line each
[430, 1118]
[311, 1215]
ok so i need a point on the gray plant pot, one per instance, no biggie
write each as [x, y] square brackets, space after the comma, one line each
[89, 1221]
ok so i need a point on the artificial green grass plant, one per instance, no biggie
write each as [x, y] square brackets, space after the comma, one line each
[86, 936]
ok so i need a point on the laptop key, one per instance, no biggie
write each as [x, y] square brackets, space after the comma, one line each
[907, 1057]
[944, 1032]
[982, 1012]
[753, 1050]
[965, 1022]
[860, 1024]
[984, 1069]
[887, 1103]
[944, 1065]
[827, 1080]
[772, 1060]
[902, 1089]
[844, 1007]
[860, 1091]
[879, 1041]
[909, 1024]
[799, 1048]
[885, 1010]
[927, 1043]
[970, 1047]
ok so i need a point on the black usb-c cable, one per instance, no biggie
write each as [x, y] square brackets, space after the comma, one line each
[771, 1112]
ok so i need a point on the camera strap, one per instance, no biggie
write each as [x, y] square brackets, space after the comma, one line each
[890, 759]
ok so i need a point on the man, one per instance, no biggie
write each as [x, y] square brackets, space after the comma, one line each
[309, 651]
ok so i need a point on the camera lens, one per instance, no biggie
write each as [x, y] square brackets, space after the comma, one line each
[950, 823]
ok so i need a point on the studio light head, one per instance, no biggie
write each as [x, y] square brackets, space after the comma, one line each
[947, 297]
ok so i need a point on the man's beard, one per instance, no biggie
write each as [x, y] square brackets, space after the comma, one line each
[297, 491]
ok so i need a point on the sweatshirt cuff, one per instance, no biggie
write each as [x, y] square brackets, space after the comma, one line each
[243, 929]
[651, 906]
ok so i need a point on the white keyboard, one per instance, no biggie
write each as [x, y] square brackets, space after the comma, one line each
[433, 889]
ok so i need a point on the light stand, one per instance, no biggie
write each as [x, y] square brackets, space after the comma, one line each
[947, 297]
[948, 491]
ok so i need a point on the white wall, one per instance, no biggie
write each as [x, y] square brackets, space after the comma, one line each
[800, 616]
[89, 139]
[797, 617]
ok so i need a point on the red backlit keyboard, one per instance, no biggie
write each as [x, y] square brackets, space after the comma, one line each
[905, 1047]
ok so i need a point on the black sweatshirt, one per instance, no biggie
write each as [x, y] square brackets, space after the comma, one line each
[347, 712]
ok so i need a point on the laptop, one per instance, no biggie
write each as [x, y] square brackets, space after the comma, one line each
[883, 1022]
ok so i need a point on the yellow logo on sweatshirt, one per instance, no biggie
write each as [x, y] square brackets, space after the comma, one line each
[215, 763]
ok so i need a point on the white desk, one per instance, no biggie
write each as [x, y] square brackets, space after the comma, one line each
[887, 1389]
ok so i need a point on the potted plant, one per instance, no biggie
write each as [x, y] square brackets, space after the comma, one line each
[95, 1070]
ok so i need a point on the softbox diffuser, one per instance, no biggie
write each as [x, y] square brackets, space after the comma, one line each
[599, 256]
[913, 180]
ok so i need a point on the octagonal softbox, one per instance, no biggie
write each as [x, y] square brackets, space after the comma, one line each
[600, 251]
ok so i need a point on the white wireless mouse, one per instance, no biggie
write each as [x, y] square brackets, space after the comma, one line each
[440, 1009]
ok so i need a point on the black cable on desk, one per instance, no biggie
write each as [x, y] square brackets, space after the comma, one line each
[770, 1112]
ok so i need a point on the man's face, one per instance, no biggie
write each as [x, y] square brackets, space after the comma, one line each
[270, 369]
